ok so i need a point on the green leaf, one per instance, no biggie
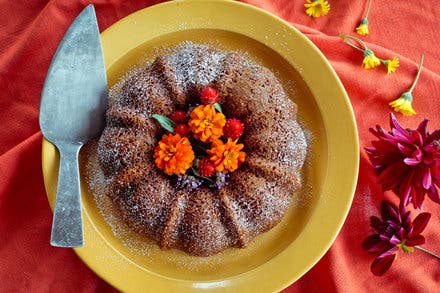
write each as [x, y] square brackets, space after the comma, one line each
[165, 122]
[217, 107]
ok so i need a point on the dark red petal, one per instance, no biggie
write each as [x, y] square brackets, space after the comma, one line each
[391, 176]
[392, 250]
[417, 138]
[433, 136]
[415, 240]
[427, 179]
[381, 265]
[422, 129]
[405, 191]
[415, 159]
[420, 222]
[402, 136]
[373, 244]
[389, 211]
[395, 124]
[406, 221]
[433, 194]
[394, 240]
[370, 150]
[404, 148]
[376, 223]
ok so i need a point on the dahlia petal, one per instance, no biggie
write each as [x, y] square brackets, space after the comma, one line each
[402, 136]
[394, 240]
[395, 124]
[374, 131]
[422, 128]
[376, 223]
[427, 180]
[373, 244]
[384, 146]
[420, 222]
[401, 234]
[381, 265]
[403, 148]
[370, 150]
[416, 137]
[405, 191]
[415, 240]
[389, 211]
[433, 194]
[392, 251]
[435, 172]
[392, 175]
[433, 136]
[411, 161]
[406, 221]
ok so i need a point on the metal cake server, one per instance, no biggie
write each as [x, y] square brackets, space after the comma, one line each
[73, 104]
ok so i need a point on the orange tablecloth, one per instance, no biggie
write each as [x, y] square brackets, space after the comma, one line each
[29, 35]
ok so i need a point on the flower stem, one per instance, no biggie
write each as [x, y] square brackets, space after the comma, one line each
[346, 38]
[368, 9]
[427, 251]
[418, 74]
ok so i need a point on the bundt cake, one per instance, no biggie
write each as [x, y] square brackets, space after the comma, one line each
[200, 219]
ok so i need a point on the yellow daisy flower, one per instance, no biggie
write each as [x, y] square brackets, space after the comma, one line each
[362, 29]
[391, 65]
[403, 104]
[317, 8]
[370, 60]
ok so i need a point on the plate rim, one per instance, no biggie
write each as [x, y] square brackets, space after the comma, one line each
[247, 279]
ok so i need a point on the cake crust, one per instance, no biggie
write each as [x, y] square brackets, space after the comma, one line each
[203, 221]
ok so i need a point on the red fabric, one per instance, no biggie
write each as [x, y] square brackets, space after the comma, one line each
[29, 35]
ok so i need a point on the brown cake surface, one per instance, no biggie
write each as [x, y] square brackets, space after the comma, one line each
[203, 221]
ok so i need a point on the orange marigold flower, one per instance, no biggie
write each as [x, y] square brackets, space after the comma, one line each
[206, 123]
[226, 156]
[173, 154]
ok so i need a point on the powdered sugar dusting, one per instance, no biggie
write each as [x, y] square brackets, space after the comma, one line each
[125, 154]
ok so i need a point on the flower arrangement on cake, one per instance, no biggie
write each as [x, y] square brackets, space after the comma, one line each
[201, 146]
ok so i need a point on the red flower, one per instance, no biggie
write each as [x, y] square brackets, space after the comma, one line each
[407, 161]
[209, 96]
[395, 231]
[233, 128]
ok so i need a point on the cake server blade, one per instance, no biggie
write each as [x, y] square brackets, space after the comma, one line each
[73, 104]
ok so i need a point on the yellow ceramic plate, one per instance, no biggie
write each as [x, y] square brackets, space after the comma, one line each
[276, 258]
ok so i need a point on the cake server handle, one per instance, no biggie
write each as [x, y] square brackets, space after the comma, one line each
[67, 224]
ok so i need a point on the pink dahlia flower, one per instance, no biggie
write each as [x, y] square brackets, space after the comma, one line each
[395, 231]
[407, 161]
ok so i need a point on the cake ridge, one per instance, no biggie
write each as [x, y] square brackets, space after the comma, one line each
[203, 221]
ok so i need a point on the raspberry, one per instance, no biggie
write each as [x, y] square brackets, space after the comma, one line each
[182, 129]
[179, 116]
[233, 128]
[205, 167]
[209, 96]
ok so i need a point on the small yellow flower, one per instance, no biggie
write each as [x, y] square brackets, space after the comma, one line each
[403, 104]
[206, 123]
[226, 156]
[173, 154]
[317, 8]
[370, 60]
[362, 29]
[391, 65]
